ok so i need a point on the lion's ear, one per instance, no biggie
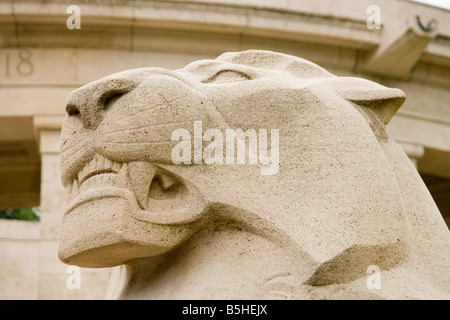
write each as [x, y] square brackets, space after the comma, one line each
[382, 100]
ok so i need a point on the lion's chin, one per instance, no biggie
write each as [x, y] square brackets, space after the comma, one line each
[100, 229]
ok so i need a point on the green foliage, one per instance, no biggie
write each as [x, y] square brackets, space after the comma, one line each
[28, 214]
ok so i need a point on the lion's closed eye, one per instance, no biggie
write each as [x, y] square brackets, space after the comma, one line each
[111, 96]
[228, 75]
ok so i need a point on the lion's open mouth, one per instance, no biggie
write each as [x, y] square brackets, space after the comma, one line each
[98, 166]
[99, 173]
[102, 177]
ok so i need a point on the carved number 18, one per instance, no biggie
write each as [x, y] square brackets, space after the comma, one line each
[24, 67]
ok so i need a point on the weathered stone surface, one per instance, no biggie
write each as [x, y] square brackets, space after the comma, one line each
[344, 197]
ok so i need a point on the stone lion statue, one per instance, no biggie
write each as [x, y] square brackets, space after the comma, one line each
[343, 215]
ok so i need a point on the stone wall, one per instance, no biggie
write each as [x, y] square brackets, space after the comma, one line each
[19, 263]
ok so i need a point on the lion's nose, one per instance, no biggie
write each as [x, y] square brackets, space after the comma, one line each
[91, 101]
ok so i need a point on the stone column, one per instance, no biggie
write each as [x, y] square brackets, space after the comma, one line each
[57, 280]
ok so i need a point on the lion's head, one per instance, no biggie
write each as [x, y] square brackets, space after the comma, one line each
[335, 195]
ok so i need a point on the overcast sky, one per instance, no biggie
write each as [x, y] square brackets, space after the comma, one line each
[438, 3]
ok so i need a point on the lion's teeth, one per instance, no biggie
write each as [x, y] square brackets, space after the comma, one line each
[121, 180]
[69, 195]
[135, 176]
[116, 166]
[141, 175]
[98, 164]
[75, 189]
[83, 172]
[108, 164]
[93, 165]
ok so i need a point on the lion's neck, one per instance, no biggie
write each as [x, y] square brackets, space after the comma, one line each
[225, 264]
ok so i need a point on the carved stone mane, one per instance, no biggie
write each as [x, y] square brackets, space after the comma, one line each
[344, 200]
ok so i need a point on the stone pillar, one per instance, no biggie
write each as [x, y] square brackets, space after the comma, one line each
[57, 280]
